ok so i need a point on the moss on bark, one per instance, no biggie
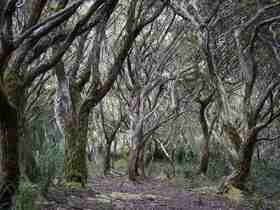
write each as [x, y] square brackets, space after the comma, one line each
[75, 167]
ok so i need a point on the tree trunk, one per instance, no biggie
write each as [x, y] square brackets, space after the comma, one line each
[141, 162]
[72, 120]
[132, 165]
[233, 142]
[204, 158]
[9, 150]
[115, 153]
[28, 165]
[206, 134]
[240, 175]
[136, 163]
[107, 161]
[75, 167]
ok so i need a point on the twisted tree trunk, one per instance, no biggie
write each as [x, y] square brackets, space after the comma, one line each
[241, 173]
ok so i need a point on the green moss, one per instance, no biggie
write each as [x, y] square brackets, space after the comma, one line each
[76, 96]
[10, 80]
[11, 85]
[9, 75]
[75, 156]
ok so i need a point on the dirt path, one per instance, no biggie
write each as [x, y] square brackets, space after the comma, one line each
[120, 194]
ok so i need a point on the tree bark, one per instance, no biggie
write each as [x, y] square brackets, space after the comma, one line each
[73, 124]
[233, 142]
[206, 130]
[9, 151]
[141, 162]
[28, 165]
[204, 158]
[239, 176]
[107, 161]
[205, 147]
[136, 163]
[132, 165]
[75, 167]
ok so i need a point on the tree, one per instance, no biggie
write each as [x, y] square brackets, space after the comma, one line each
[72, 110]
[258, 113]
[207, 128]
[148, 76]
[23, 41]
[110, 129]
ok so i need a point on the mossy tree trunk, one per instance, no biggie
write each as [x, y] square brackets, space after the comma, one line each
[73, 123]
[75, 167]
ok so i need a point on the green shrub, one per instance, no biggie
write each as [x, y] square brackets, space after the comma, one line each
[49, 161]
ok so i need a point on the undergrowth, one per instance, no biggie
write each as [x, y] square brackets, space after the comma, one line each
[49, 162]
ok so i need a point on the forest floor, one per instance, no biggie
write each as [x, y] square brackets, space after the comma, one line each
[118, 193]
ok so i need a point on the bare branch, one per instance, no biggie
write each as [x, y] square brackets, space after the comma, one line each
[264, 97]
[275, 138]
[70, 38]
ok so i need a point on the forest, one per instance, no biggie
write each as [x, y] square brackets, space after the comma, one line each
[139, 104]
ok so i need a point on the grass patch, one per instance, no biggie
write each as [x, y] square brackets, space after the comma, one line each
[121, 164]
